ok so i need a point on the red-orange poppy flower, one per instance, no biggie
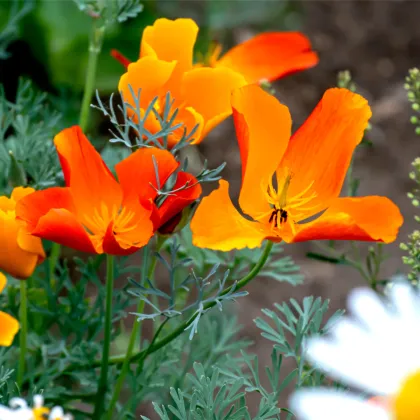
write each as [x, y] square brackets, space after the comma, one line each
[20, 252]
[96, 213]
[267, 56]
[308, 171]
[8, 325]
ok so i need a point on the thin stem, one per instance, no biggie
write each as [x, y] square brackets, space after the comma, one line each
[103, 379]
[23, 318]
[178, 331]
[147, 352]
[95, 47]
[141, 355]
[134, 334]
[52, 262]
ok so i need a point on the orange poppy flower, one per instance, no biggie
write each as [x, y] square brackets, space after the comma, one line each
[267, 56]
[8, 325]
[94, 212]
[308, 171]
[20, 252]
[201, 95]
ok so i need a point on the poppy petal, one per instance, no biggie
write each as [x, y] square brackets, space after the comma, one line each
[91, 182]
[13, 259]
[137, 172]
[208, 91]
[3, 282]
[320, 152]
[7, 204]
[20, 192]
[371, 218]
[217, 225]
[50, 214]
[148, 76]
[270, 56]
[189, 119]
[31, 244]
[8, 329]
[128, 238]
[171, 40]
[176, 202]
[263, 126]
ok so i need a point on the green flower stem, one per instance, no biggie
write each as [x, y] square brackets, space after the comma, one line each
[52, 262]
[23, 318]
[178, 331]
[95, 47]
[135, 332]
[103, 379]
[154, 346]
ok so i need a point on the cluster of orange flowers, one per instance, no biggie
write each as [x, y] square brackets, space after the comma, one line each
[290, 183]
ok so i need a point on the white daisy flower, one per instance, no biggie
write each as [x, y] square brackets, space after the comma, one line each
[376, 351]
[19, 410]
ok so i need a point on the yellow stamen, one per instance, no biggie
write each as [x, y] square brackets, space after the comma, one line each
[286, 210]
[97, 224]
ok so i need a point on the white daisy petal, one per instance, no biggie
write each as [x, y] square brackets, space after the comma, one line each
[18, 402]
[369, 309]
[405, 301]
[348, 364]
[56, 413]
[329, 404]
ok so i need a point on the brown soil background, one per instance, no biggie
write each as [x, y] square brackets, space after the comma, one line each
[378, 41]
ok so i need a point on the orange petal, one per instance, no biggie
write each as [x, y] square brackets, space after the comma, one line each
[13, 259]
[7, 204]
[208, 91]
[26, 241]
[50, 214]
[263, 126]
[127, 239]
[320, 152]
[8, 329]
[137, 172]
[20, 192]
[149, 75]
[89, 179]
[31, 244]
[177, 201]
[3, 282]
[218, 225]
[189, 119]
[370, 218]
[171, 40]
[270, 56]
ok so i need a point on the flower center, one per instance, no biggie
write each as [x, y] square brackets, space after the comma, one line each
[286, 209]
[407, 401]
[40, 413]
[98, 223]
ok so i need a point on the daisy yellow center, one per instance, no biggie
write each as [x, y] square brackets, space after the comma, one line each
[40, 413]
[407, 401]
[287, 209]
